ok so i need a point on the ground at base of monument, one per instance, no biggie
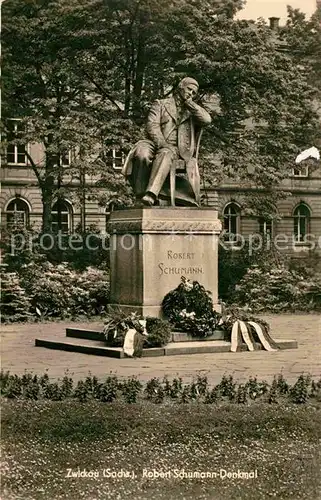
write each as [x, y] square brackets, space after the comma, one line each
[20, 354]
[92, 342]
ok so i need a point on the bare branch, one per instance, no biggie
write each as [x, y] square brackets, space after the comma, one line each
[101, 90]
[34, 167]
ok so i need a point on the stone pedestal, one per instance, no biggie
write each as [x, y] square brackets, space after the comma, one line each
[152, 248]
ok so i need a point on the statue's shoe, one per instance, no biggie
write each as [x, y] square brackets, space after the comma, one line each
[148, 200]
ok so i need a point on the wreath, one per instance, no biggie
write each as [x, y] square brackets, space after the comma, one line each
[190, 308]
[151, 332]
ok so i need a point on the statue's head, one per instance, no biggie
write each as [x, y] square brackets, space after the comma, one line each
[188, 88]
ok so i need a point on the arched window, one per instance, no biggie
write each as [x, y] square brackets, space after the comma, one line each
[301, 217]
[61, 217]
[231, 221]
[17, 213]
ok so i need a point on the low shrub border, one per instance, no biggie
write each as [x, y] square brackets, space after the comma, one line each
[39, 290]
[50, 292]
[278, 289]
[131, 390]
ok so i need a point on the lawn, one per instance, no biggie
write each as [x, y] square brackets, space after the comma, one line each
[119, 450]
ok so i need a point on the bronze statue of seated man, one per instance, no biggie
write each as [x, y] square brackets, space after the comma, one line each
[153, 166]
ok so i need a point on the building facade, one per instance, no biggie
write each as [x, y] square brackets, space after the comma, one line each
[296, 229]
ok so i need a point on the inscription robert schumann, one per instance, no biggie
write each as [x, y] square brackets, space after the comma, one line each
[167, 269]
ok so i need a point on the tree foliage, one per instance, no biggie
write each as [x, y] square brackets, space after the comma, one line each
[57, 107]
[303, 37]
[84, 73]
[265, 100]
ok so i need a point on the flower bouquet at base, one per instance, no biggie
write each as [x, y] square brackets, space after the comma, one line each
[189, 308]
[117, 324]
[133, 332]
[241, 327]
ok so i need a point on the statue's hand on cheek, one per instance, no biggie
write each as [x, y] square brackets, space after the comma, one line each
[189, 102]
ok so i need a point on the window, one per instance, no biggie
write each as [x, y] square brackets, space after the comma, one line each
[265, 227]
[65, 159]
[115, 158]
[302, 217]
[15, 152]
[300, 171]
[231, 221]
[61, 217]
[17, 213]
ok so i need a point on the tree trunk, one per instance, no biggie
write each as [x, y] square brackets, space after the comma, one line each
[139, 76]
[128, 77]
[47, 198]
[82, 201]
[140, 64]
[47, 192]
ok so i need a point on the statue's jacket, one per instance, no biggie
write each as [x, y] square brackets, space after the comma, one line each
[165, 126]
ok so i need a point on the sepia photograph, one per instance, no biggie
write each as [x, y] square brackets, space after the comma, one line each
[160, 250]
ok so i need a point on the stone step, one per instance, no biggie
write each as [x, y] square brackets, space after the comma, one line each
[79, 333]
[185, 337]
[176, 335]
[84, 346]
[99, 348]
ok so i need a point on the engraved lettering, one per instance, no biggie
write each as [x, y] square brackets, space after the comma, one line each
[161, 265]
[180, 270]
[180, 255]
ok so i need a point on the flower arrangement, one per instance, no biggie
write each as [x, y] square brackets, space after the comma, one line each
[233, 314]
[117, 324]
[190, 308]
[159, 332]
[243, 328]
[146, 332]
